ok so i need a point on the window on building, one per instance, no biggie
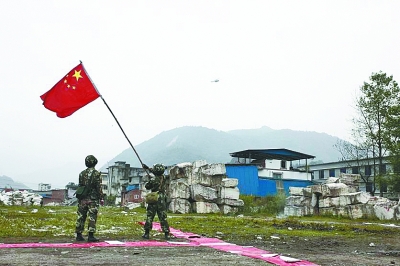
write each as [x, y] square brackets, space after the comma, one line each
[396, 168]
[368, 187]
[343, 170]
[331, 172]
[383, 169]
[354, 170]
[135, 196]
[277, 175]
[321, 174]
[368, 170]
[283, 164]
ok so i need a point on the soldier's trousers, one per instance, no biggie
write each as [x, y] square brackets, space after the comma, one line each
[158, 208]
[87, 208]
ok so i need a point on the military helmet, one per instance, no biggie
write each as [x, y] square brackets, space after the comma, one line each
[158, 169]
[90, 161]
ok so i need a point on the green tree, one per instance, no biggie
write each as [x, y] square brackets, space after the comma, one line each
[377, 105]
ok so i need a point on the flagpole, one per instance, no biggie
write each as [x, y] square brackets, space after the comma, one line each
[141, 163]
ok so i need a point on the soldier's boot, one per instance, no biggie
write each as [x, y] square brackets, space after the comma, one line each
[167, 236]
[79, 237]
[91, 238]
[146, 234]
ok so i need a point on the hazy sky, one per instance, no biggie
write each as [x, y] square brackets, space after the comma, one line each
[283, 64]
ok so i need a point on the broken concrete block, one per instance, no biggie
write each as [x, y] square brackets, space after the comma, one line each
[203, 193]
[377, 200]
[298, 201]
[213, 169]
[332, 180]
[349, 179]
[354, 198]
[179, 188]
[228, 193]
[231, 202]
[307, 192]
[225, 209]
[329, 202]
[297, 211]
[205, 207]
[387, 211]
[229, 182]
[179, 206]
[332, 189]
[206, 180]
[182, 170]
[360, 211]
[199, 163]
[296, 191]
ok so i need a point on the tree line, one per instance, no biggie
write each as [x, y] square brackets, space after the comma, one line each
[375, 135]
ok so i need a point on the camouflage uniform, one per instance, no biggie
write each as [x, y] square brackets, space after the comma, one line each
[89, 204]
[160, 207]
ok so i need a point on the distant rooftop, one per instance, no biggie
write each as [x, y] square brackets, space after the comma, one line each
[271, 154]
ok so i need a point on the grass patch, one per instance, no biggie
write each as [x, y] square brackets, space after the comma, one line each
[257, 218]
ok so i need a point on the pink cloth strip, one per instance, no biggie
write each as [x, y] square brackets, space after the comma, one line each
[192, 240]
[247, 251]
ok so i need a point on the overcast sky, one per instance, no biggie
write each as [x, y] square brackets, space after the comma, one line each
[283, 64]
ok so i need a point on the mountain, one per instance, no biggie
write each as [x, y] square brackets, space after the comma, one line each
[189, 143]
[8, 182]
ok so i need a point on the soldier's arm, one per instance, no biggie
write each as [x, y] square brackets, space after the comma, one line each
[99, 185]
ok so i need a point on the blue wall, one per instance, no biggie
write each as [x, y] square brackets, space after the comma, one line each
[247, 175]
[250, 184]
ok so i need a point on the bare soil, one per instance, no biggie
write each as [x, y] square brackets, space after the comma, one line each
[365, 251]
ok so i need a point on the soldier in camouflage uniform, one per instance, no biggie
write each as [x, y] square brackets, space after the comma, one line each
[89, 204]
[157, 183]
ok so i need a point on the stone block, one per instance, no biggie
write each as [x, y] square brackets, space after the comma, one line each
[225, 209]
[229, 182]
[206, 180]
[179, 206]
[228, 193]
[298, 201]
[387, 211]
[329, 202]
[354, 198]
[203, 193]
[296, 191]
[182, 170]
[179, 188]
[297, 211]
[231, 202]
[330, 189]
[213, 169]
[199, 163]
[205, 207]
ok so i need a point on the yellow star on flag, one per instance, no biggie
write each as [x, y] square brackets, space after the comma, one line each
[77, 75]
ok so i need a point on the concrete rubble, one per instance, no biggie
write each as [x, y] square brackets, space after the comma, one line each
[200, 187]
[339, 197]
[24, 198]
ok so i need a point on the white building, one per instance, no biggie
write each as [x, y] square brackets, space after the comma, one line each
[120, 176]
[366, 168]
[44, 187]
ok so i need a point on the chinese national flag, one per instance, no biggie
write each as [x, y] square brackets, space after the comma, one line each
[71, 93]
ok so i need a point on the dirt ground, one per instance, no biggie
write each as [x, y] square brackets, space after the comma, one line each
[323, 251]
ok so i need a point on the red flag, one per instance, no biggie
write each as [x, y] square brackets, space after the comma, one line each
[71, 93]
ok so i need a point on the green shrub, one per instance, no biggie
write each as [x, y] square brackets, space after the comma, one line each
[268, 205]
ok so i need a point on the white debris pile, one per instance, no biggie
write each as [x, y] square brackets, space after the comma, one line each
[202, 188]
[340, 198]
[20, 198]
